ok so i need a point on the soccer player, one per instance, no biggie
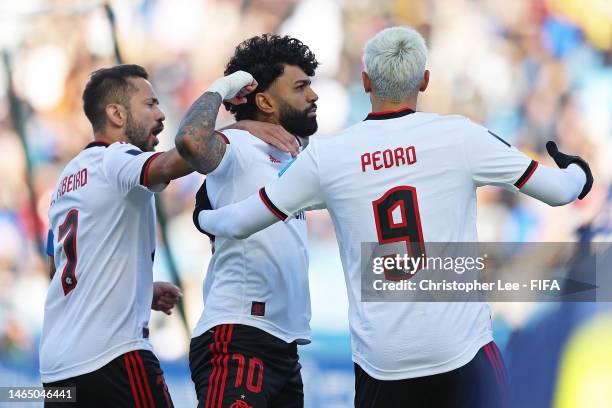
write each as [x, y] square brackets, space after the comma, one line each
[102, 243]
[256, 298]
[402, 175]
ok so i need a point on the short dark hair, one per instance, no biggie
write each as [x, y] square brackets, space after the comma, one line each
[264, 57]
[109, 85]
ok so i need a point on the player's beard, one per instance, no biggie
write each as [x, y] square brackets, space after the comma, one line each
[139, 135]
[297, 122]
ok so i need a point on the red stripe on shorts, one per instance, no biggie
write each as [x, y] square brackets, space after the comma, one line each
[145, 402]
[225, 366]
[145, 378]
[128, 368]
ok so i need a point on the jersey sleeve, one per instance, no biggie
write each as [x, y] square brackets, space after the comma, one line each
[233, 158]
[555, 186]
[297, 188]
[238, 220]
[493, 161]
[126, 167]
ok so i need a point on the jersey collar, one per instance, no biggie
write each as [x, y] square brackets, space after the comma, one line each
[392, 114]
[97, 142]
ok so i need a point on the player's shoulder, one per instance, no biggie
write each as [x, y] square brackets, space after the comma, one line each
[90, 154]
[325, 143]
[449, 120]
[244, 144]
[74, 163]
[462, 122]
[327, 139]
[123, 147]
[121, 152]
[238, 137]
[453, 125]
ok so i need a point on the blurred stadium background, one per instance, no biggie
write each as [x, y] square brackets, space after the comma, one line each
[530, 70]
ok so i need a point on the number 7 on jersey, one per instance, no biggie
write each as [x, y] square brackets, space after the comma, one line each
[68, 231]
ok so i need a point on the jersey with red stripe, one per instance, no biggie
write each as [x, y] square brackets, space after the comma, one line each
[102, 238]
[261, 281]
[412, 174]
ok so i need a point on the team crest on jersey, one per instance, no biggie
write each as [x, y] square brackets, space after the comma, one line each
[240, 404]
[258, 308]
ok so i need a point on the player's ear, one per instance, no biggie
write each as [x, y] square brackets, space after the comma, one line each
[116, 114]
[425, 81]
[265, 103]
[367, 82]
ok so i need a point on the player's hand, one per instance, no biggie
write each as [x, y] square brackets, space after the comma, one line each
[276, 135]
[165, 296]
[235, 87]
[240, 97]
[563, 160]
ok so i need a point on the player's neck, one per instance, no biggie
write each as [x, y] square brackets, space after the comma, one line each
[260, 117]
[386, 106]
[303, 141]
[109, 137]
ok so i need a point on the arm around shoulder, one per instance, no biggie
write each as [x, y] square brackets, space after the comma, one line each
[239, 220]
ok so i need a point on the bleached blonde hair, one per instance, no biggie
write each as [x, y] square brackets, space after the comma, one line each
[394, 60]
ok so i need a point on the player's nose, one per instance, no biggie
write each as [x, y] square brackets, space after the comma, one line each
[312, 95]
[160, 116]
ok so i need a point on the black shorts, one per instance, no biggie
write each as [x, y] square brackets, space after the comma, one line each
[239, 366]
[482, 383]
[133, 379]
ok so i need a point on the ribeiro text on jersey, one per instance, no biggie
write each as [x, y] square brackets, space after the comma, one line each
[72, 182]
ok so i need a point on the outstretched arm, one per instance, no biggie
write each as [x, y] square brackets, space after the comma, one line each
[555, 187]
[166, 167]
[573, 179]
[196, 140]
[299, 187]
[239, 220]
[206, 147]
[493, 161]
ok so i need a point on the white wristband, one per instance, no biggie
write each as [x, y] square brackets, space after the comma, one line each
[230, 85]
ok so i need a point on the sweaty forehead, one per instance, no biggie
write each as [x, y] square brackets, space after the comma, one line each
[143, 88]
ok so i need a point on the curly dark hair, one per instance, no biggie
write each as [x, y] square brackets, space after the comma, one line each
[264, 57]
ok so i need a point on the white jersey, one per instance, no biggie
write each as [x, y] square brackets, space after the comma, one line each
[261, 281]
[102, 236]
[435, 163]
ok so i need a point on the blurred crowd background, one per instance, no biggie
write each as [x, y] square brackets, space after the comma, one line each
[530, 70]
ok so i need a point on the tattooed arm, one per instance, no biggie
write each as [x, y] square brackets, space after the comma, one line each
[196, 140]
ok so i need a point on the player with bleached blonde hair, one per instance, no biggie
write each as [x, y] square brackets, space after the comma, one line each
[408, 177]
